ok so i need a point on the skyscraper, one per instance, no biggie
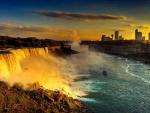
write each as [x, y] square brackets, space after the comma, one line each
[138, 35]
[116, 35]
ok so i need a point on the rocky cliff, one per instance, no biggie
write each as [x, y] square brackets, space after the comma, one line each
[15, 99]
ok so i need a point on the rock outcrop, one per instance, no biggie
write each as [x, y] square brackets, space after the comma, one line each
[15, 99]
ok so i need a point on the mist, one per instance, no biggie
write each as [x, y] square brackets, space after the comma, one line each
[58, 73]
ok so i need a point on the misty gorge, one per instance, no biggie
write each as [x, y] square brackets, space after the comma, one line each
[74, 56]
[80, 76]
[33, 65]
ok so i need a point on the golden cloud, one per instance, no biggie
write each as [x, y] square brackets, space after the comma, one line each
[39, 32]
[138, 26]
[143, 26]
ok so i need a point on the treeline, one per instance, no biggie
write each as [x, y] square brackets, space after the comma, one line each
[11, 42]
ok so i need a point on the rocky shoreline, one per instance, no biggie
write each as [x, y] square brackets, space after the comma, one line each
[131, 49]
[15, 99]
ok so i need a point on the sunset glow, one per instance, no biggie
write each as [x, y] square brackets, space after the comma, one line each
[73, 19]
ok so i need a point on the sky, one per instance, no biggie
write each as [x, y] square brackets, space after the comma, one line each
[74, 19]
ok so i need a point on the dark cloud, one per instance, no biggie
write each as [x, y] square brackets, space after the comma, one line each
[21, 28]
[78, 16]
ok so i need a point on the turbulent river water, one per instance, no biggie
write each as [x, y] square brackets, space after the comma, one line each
[124, 89]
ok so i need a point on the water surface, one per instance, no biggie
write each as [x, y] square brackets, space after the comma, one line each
[125, 88]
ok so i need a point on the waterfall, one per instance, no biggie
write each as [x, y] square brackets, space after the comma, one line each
[10, 62]
[35, 65]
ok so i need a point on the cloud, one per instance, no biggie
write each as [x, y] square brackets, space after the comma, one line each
[130, 25]
[119, 29]
[8, 26]
[78, 16]
[138, 26]
[143, 26]
[39, 32]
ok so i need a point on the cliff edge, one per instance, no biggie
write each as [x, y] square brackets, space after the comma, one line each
[15, 99]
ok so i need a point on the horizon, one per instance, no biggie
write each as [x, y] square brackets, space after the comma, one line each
[73, 19]
[43, 38]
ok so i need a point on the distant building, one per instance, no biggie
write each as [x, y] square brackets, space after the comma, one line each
[116, 35]
[106, 38]
[138, 35]
[112, 36]
[143, 38]
[121, 38]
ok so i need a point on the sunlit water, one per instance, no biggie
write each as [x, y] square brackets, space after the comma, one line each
[125, 89]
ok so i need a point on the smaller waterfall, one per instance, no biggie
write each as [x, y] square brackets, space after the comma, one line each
[10, 62]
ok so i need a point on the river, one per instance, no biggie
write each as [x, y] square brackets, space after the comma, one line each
[124, 89]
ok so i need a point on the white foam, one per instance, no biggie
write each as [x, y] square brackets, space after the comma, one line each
[87, 99]
[134, 75]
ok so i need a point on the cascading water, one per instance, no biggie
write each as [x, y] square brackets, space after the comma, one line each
[10, 62]
[34, 65]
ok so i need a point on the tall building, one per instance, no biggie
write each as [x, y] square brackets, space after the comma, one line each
[116, 35]
[149, 36]
[138, 35]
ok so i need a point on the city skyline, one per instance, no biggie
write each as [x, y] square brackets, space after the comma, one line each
[74, 19]
[138, 36]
